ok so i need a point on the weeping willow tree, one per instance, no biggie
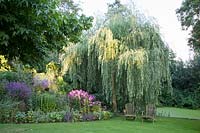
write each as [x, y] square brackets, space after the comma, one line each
[106, 50]
[74, 61]
[127, 57]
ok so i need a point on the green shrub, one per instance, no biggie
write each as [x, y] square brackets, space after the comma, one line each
[42, 117]
[77, 116]
[62, 102]
[56, 116]
[46, 102]
[98, 115]
[64, 87]
[8, 109]
[96, 108]
[17, 75]
[31, 117]
[8, 75]
[49, 102]
[2, 89]
[106, 115]
[39, 117]
[20, 117]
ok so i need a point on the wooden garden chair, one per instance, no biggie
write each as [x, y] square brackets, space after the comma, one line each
[129, 111]
[150, 113]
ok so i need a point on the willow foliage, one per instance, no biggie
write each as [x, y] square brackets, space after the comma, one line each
[126, 60]
[73, 59]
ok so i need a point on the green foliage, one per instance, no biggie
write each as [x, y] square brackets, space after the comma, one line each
[18, 74]
[106, 115]
[8, 109]
[45, 102]
[185, 83]
[56, 116]
[49, 102]
[39, 117]
[20, 117]
[63, 86]
[3, 64]
[189, 15]
[8, 75]
[2, 89]
[30, 30]
[30, 117]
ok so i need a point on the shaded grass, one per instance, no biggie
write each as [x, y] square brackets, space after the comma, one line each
[178, 113]
[115, 125]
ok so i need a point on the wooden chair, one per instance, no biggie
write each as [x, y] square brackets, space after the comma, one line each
[150, 113]
[129, 111]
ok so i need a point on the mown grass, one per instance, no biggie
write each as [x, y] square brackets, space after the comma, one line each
[115, 125]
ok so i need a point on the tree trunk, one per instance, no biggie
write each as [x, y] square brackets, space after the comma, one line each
[114, 98]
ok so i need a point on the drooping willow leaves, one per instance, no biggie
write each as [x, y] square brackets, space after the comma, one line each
[126, 61]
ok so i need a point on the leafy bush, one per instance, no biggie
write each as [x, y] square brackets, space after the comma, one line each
[3, 83]
[88, 117]
[106, 115]
[31, 116]
[68, 117]
[20, 117]
[62, 102]
[18, 90]
[61, 116]
[49, 102]
[98, 115]
[56, 116]
[39, 117]
[77, 116]
[95, 106]
[8, 75]
[63, 86]
[45, 102]
[18, 75]
[8, 109]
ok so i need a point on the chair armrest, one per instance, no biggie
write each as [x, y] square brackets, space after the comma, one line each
[142, 113]
[124, 111]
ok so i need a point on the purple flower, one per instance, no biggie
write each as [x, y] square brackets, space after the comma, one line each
[95, 103]
[42, 83]
[45, 83]
[18, 90]
[91, 98]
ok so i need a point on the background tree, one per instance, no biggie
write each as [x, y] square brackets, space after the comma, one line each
[185, 83]
[31, 30]
[189, 15]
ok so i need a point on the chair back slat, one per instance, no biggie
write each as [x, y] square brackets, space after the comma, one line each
[150, 110]
[130, 108]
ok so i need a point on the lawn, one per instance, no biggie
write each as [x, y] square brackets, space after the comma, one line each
[179, 113]
[116, 125]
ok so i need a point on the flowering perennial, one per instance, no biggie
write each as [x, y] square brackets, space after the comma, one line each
[18, 90]
[82, 99]
[42, 83]
[81, 95]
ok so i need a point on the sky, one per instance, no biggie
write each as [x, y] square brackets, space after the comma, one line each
[164, 13]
